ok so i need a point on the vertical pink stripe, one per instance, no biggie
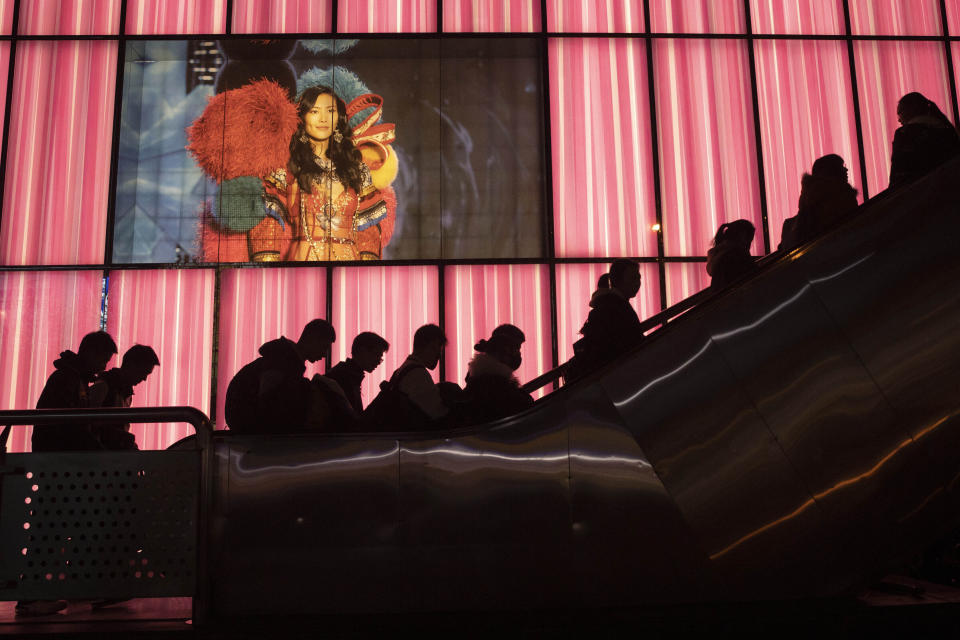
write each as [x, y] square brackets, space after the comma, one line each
[602, 168]
[895, 17]
[149, 17]
[600, 16]
[953, 17]
[806, 111]
[170, 310]
[697, 16]
[58, 164]
[809, 17]
[708, 165]
[6, 17]
[69, 17]
[41, 314]
[4, 71]
[491, 15]
[684, 280]
[390, 301]
[886, 71]
[282, 16]
[398, 16]
[490, 295]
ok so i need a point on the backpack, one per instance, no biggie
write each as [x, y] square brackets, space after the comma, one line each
[392, 409]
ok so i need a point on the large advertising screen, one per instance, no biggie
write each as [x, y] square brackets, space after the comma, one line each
[330, 150]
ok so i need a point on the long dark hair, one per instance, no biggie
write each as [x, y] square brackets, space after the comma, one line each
[738, 230]
[345, 157]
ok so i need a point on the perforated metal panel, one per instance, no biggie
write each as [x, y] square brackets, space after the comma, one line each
[99, 524]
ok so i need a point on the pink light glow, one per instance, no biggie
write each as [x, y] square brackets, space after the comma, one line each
[697, 16]
[602, 169]
[885, 72]
[69, 17]
[259, 305]
[895, 17]
[577, 282]
[399, 16]
[806, 111]
[810, 17]
[6, 17]
[282, 16]
[170, 310]
[708, 165]
[606, 16]
[491, 15]
[390, 301]
[490, 295]
[41, 314]
[953, 17]
[58, 165]
[684, 280]
[148, 17]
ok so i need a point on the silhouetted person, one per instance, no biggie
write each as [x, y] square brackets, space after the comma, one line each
[492, 391]
[925, 140]
[366, 354]
[270, 394]
[409, 399]
[730, 258]
[826, 199]
[114, 388]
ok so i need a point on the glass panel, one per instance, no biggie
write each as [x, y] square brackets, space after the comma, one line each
[6, 17]
[390, 301]
[606, 16]
[806, 111]
[282, 16]
[69, 17]
[577, 282]
[708, 156]
[170, 310]
[602, 167]
[804, 17]
[885, 72]
[374, 16]
[953, 17]
[491, 15]
[147, 17]
[481, 297]
[259, 305]
[42, 313]
[685, 279]
[895, 17]
[697, 16]
[58, 160]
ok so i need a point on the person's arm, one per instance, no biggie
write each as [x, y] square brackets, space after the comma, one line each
[420, 388]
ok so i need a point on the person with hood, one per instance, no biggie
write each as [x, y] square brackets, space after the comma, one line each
[492, 391]
[729, 258]
[270, 395]
[826, 199]
[114, 388]
[925, 140]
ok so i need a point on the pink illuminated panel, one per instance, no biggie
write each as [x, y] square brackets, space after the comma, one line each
[953, 17]
[146, 17]
[685, 279]
[259, 305]
[604, 16]
[491, 15]
[697, 16]
[577, 282]
[6, 17]
[397, 16]
[885, 72]
[41, 314]
[69, 17]
[58, 161]
[481, 297]
[708, 156]
[806, 111]
[170, 310]
[390, 301]
[4, 69]
[895, 17]
[282, 16]
[806, 17]
[602, 168]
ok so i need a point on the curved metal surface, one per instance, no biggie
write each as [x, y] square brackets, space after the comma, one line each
[793, 437]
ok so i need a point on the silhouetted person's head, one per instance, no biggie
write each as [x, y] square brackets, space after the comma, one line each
[428, 343]
[138, 363]
[625, 276]
[315, 339]
[96, 349]
[367, 350]
[830, 166]
[604, 281]
[915, 105]
[504, 345]
[739, 233]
